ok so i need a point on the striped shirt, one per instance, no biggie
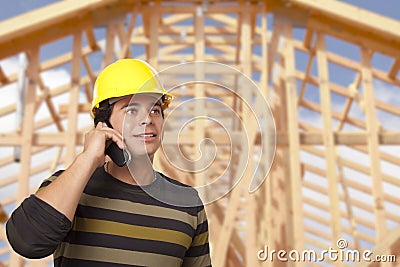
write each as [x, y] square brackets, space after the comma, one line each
[115, 224]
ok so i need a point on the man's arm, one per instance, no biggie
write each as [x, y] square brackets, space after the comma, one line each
[198, 255]
[41, 222]
[64, 193]
[35, 229]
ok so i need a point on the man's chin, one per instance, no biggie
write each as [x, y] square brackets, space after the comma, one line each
[142, 155]
[143, 149]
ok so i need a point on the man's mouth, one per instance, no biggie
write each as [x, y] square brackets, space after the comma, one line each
[145, 135]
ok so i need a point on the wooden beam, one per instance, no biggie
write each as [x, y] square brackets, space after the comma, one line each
[353, 91]
[354, 166]
[280, 172]
[364, 20]
[233, 42]
[71, 141]
[189, 29]
[273, 47]
[42, 36]
[42, 31]
[305, 138]
[109, 52]
[308, 38]
[295, 229]
[244, 164]
[264, 80]
[373, 144]
[337, 115]
[27, 134]
[50, 105]
[91, 38]
[126, 48]
[49, 15]
[245, 59]
[388, 247]
[355, 35]
[330, 153]
[3, 215]
[389, 157]
[318, 205]
[3, 77]
[306, 76]
[185, 9]
[218, 210]
[354, 65]
[54, 92]
[350, 183]
[394, 69]
[153, 34]
[200, 109]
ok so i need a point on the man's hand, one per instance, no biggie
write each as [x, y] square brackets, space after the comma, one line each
[95, 142]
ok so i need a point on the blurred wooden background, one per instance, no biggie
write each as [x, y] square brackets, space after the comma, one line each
[330, 73]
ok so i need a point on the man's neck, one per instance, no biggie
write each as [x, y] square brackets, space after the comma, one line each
[138, 172]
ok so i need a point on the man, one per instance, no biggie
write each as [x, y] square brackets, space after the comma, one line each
[97, 213]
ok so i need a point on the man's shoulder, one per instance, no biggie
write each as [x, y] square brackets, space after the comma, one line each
[174, 181]
[177, 193]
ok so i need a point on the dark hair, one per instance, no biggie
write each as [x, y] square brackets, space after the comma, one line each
[103, 112]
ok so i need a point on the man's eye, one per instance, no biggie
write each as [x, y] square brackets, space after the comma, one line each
[131, 111]
[156, 111]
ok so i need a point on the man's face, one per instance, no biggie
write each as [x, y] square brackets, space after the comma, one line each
[140, 121]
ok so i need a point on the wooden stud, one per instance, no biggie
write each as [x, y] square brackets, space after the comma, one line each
[330, 153]
[265, 236]
[199, 96]
[273, 47]
[91, 75]
[295, 209]
[279, 223]
[125, 50]
[3, 77]
[245, 58]
[91, 38]
[308, 38]
[264, 80]
[394, 69]
[71, 140]
[108, 57]
[50, 105]
[306, 75]
[353, 89]
[27, 134]
[373, 144]
[152, 48]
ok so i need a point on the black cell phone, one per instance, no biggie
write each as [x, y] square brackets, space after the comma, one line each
[118, 156]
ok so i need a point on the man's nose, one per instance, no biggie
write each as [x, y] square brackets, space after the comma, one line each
[146, 119]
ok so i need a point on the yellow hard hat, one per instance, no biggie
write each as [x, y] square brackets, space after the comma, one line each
[127, 77]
